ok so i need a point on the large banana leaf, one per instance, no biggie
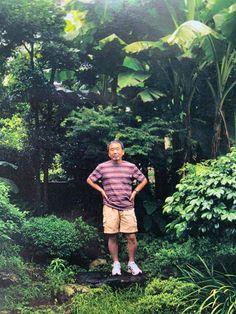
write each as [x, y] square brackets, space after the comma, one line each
[109, 39]
[139, 46]
[134, 64]
[76, 24]
[149, 94]
[183, 36]
[188, 32]
[132, 79]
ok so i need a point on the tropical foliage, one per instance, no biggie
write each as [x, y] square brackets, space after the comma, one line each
[89, 56]
[158, 75]
[204, 203]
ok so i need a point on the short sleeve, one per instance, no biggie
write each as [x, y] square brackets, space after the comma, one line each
[138, 175]
[96, 174]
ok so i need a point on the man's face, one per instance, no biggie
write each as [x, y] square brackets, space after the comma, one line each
[115, 152]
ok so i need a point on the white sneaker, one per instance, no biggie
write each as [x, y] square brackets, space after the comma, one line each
[134, 269]
[116, 269]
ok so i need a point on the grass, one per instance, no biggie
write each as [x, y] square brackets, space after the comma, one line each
[216, 290]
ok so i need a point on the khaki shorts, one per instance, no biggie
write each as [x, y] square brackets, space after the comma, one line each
[115, 221]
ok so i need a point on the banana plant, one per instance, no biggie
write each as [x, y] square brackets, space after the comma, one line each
[220, 92]
[185, 36]
[191, 33]
[182, 83]
[190, 29]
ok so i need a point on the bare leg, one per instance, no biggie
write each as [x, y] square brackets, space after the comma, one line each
[132, 246]
[113, 247]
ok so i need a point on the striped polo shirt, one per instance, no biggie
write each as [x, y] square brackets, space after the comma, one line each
[117, 181]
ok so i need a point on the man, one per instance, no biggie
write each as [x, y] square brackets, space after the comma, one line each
[116, 176]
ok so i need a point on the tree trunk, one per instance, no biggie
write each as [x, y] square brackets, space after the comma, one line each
[37, 160]
[114, 90]
[45, 185]
[161, 186]
[47, 150]
[37, 189]
[188, 143]
[216, 136]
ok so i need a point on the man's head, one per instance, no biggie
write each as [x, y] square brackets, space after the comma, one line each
[115, 150]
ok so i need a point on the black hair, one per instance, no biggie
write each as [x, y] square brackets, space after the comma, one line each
[115, 141]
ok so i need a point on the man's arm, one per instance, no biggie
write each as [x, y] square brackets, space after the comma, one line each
[138, 188]
[97, 187]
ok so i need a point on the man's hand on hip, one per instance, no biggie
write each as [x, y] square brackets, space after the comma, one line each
[132, 197]
[104, 194]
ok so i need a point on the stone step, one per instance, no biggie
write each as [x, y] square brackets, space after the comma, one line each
[96, 279]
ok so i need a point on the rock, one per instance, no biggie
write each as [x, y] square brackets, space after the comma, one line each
[97, 279]
[97, 262]
[7, 279]
[71, 289]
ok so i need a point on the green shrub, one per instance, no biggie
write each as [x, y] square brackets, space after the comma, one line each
[165, 303]
[172, 285]
[55, 237]
[11, 264]
[85, 232]
[90, 240]
[58, 274]
[50, 236]
[159, 257]
[164, 297]
[205, 200]
[21, 288]
[24, 293]
[31, 285]
[169, 256]
[11, 218]
[31, 310]
[104, 300]
[97, 300]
